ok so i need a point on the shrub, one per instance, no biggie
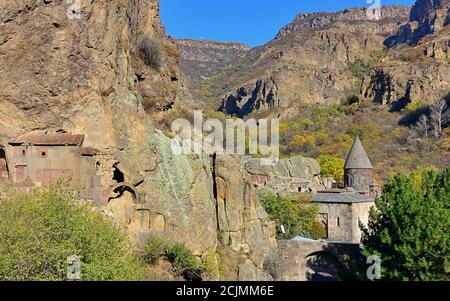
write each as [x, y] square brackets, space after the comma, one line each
[297, 215]
[445, 144]
[39, 231]
[211, 266]
[359, 69]
[151, 53]
[153, 250]
[184, 262]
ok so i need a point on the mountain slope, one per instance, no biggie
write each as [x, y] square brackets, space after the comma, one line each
[201, 60]
[326, 74]
[307, 63]
[417, 67]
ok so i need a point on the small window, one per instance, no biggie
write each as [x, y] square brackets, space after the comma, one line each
[44, 154]
[338, 221]
[23, 153]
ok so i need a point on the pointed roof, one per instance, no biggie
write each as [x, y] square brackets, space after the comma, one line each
[357, 158]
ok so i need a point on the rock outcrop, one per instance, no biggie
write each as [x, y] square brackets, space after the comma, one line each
[417, 65]
[247, 234]
[87, 75]
[307, 63]
[427, 17]
[294, 175]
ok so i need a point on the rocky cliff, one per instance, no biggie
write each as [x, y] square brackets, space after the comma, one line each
[201, 60]
[426, 17]
[416, 68]
[91, 75]
[307, 63]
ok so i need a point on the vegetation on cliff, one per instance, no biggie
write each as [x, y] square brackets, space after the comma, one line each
[184, 262]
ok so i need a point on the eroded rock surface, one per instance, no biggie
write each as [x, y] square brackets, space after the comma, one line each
[416, 68]
[87, 76]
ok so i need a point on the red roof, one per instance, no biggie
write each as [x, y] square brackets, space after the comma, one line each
[54, 138]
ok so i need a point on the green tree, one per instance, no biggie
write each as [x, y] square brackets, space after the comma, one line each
[331, 166]
[40, 230]
[419, 174]
[297, 215]
[409, 230]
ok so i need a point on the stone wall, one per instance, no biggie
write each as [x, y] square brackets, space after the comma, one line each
[312, 260]
[338, 219]
[342, 220]
[244, 225]
[360, 214]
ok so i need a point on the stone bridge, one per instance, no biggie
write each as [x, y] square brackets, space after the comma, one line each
[311, 260]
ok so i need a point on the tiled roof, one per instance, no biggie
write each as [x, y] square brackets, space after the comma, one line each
[342, 198]
[357, 158]
[41, 137]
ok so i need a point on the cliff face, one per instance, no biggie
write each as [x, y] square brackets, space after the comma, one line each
[201, 59]
[417, 65]
[307, 63]
[426, 17]
[53, 66]
[87, 76]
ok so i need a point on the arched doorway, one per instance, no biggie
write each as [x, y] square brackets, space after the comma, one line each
[323, 266]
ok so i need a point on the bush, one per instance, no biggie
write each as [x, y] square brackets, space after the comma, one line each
[297, 215]
[359, 68]
[151, 53]
[211, 266]
[153, 250]
[40, 230]
[184, 262]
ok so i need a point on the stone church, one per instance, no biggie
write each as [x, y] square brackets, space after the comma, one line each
[342, 211]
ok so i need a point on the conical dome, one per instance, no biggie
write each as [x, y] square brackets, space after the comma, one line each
[357, 158]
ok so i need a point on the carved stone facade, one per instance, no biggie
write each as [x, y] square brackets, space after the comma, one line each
[40, 158]
[43, 157]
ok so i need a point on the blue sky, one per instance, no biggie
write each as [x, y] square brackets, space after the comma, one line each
[252, 22]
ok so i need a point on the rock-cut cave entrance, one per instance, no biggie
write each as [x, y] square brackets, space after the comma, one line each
[118, 176]
[4, 172]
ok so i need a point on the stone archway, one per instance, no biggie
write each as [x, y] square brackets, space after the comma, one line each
[323, 266]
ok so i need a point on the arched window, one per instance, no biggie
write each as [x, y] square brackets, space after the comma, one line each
[350, 181]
